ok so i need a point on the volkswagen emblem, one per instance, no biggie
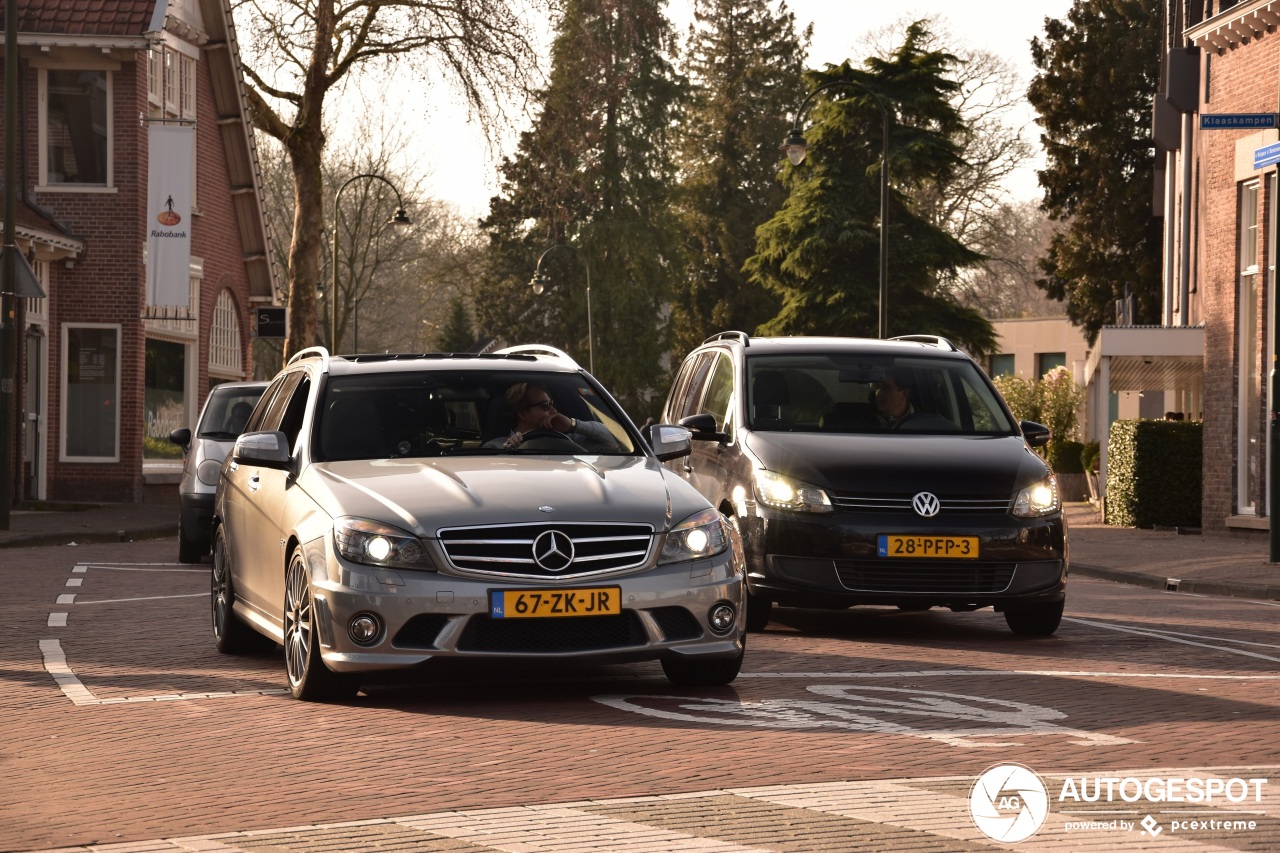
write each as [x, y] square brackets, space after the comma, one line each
[925, 504]
[553, 550]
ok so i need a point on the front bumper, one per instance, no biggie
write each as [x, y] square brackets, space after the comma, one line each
[430, 615]
[195, 519]
[831, 559]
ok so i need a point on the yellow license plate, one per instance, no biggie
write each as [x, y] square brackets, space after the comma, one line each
[929, 547]
[545, 603]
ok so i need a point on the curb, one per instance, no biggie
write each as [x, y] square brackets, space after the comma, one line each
[35, 540]
[1229, 589]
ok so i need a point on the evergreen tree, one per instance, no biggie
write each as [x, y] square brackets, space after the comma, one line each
[746, 63]
[457, 334]
[820, 253]
[1098, 69]
[594, 174]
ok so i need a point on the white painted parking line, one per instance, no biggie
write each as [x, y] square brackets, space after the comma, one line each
[970, 673]
[79, 570]
[66, 598]
[75, 581]
[57, 620]
[147, 598]
[1164, 636]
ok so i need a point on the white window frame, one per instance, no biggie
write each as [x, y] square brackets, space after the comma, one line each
[1247, 369]
[42, 73]
[65, 408]
[226, 347]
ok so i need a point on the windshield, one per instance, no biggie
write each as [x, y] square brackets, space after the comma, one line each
[228, 411]
[849, 393]
[441, 412]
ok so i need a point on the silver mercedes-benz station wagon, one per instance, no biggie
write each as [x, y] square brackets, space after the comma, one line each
[383, 510]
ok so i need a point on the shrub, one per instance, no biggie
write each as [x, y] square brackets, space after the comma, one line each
[1153, 473]
[1089, 454]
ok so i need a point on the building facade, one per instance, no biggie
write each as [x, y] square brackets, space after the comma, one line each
[104, 372]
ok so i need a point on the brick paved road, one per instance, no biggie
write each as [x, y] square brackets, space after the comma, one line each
[848, 731]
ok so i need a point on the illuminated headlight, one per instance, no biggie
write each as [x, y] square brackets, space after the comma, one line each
[700, 535]
[208, 472]
[1038, 499]
[372, 543]
[780, 492]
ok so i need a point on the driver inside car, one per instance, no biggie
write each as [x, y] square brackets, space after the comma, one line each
[531, 410]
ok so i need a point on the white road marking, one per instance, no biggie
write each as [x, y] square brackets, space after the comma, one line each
[1219, 639]
[66, 598]
[1050, 673]
[148, 598]
[79, 570]
[75, 581]
[57, 620]
[55, 663]
[1161, 636]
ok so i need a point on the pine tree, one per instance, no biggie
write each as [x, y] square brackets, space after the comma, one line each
[1098, 69]
[457, 334]
[746, 63]
[820, 253]
[594, 174]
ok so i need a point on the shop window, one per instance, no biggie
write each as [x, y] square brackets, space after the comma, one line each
[164, 408]
[75, 128]
[91, 389]
[1001, 365]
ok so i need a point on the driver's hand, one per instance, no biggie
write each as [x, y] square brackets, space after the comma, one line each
[513, 441]
[560, 423]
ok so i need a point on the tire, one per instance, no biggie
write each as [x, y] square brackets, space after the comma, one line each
[188, 551]
[758, 611]
[692, 672]
[231, 635]
[309, 679]
[1034, 620]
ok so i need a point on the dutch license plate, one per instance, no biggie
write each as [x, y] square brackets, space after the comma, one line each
[930, 547]
[544, 603]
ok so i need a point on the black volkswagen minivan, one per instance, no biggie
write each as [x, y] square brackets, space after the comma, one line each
[873, 472]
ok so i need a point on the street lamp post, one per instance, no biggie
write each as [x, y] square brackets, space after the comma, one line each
[539, 285]
[796, 147]
[401, 218]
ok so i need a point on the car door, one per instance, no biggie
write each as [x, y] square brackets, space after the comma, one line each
[710, 462]
[253, 501]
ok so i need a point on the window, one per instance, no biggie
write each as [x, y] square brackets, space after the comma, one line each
[1249, 393]
[1001, 365]
[224, 339]
[75, 127]
[1046, 361]
[91, 389]
[720, 393]
[165, 408]
[171, 89]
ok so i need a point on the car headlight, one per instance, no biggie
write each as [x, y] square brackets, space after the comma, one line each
[1038, 499]
[375, 544]
[781, 492]
[700, 535]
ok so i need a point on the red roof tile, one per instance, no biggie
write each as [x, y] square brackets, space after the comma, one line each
[86, 17]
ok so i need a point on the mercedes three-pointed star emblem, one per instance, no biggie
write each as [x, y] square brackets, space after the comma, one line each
[553, 550]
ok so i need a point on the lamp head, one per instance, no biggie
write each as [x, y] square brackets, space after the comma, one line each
[401, 219]
[538, 283]
[795, 146]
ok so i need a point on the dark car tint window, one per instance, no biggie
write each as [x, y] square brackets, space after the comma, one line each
[260, 411]
[434, 413]
[689, 397]
[273, 411]
[720, 392]
[836, 392]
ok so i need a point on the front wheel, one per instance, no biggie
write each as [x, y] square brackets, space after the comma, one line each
[1034, 620]
[309, 679]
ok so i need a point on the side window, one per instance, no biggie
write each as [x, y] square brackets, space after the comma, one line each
[691, 398]
[275, 410]
[720, 392]
[295, 411]
[677, 392]
[260, 410]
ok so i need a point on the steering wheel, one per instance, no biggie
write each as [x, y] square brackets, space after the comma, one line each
[548, 439]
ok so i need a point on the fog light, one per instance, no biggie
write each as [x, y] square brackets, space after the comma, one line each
[721, 617]
[364, 629]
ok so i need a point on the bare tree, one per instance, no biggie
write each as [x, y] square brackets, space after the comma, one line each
[1004, 286]
[298, 52]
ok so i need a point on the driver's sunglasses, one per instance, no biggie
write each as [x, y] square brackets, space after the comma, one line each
[545, 405]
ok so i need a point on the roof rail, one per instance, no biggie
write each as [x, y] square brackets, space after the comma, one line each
[724, 336]
[308, 353]
[931, 340]
[536, 349]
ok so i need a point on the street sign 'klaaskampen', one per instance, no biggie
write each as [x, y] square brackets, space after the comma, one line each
[1237, 121]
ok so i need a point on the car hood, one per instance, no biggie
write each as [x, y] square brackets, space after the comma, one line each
[901, 463]
[426, 495]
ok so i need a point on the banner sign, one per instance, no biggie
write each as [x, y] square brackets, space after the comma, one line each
[1237, 121]
[169, 185]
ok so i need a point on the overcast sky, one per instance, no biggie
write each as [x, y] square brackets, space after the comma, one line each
[460, 170]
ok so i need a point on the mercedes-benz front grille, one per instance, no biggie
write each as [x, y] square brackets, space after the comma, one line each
[548, 551]
[947, 504]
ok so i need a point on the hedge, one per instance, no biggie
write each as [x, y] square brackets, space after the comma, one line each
[1154, 474]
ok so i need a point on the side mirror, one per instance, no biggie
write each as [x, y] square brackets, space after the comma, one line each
[265, 448]
[669, 441]
[1037, 435]
[703, 428]
[181, 437]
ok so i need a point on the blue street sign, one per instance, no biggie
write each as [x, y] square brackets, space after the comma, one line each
[1237, 121]
[1267, 155]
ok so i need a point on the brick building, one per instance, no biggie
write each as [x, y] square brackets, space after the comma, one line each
[1217, 106]
[104, 370]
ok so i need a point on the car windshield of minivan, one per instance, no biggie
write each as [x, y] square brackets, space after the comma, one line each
[227, 412]
[434, 413]
[849, 393]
